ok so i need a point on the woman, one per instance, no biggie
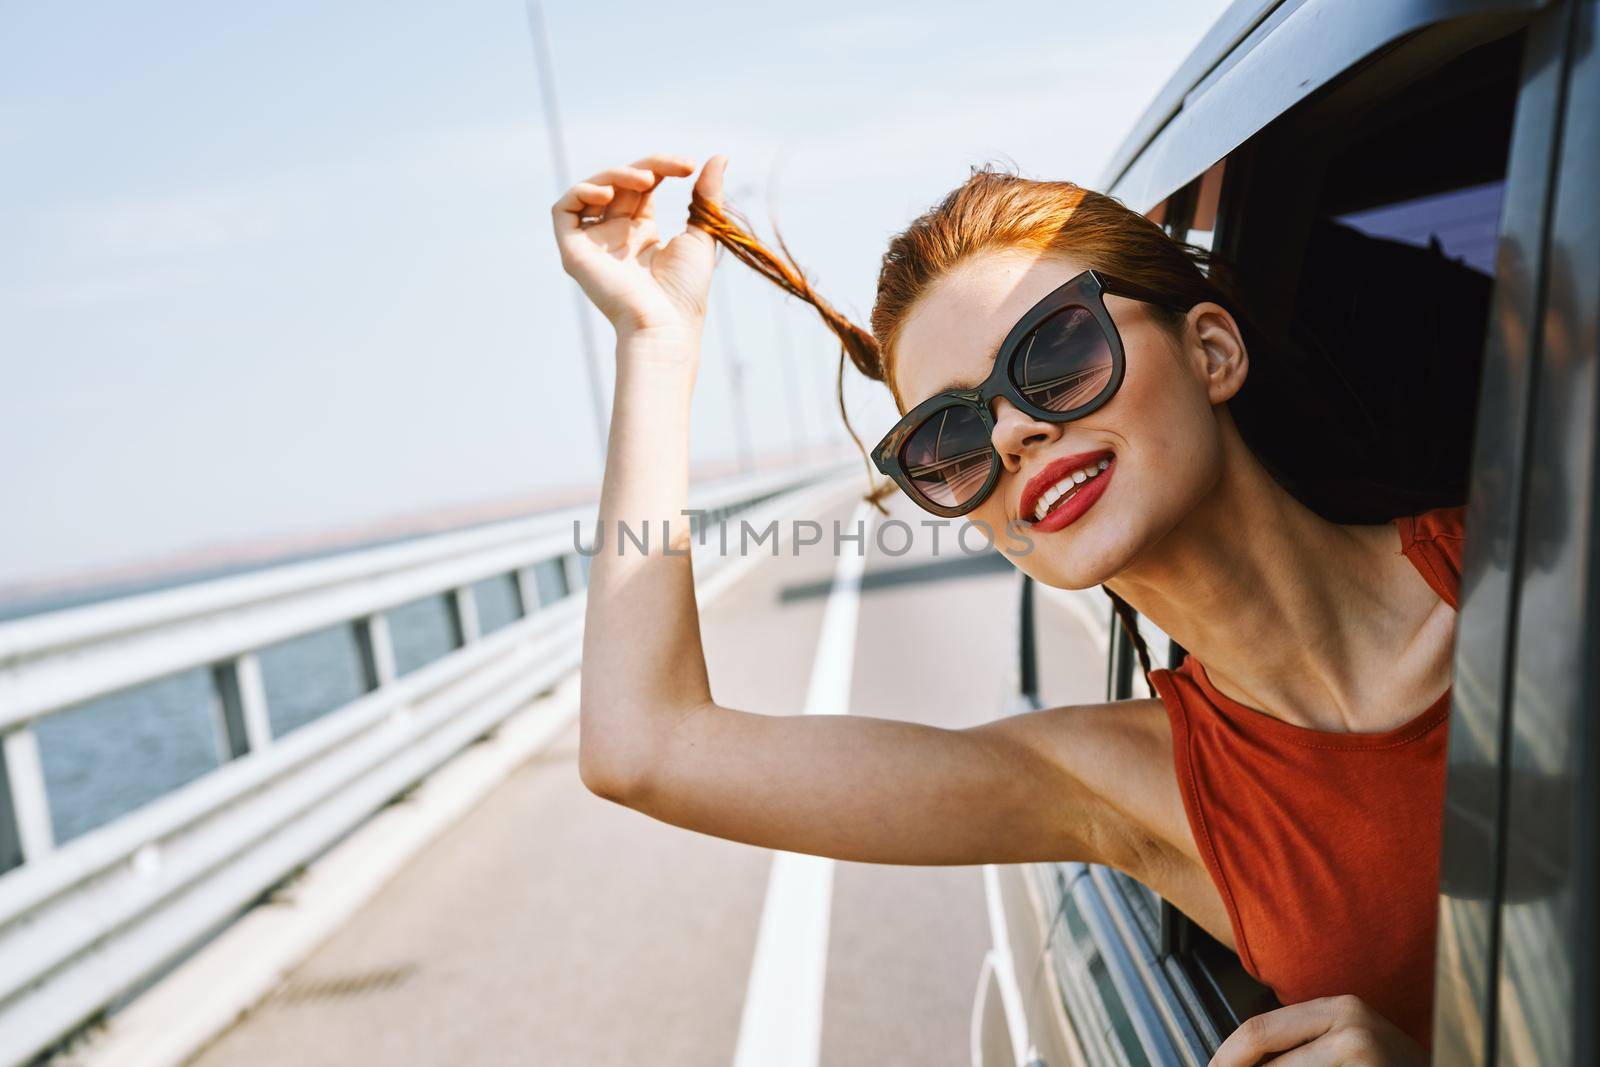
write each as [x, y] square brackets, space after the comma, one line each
[1305, 837]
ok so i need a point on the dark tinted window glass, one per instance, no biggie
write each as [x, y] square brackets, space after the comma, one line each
[1374, 278]
[1461, 224]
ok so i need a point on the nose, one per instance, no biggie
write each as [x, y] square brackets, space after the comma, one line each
[1016, 433]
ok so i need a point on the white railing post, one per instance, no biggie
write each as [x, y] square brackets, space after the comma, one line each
[572, 568]
[242, 723]
[25, 795]
[253, 701]
[528, 590]
[377, 649]
[465, 607]
[253, 697]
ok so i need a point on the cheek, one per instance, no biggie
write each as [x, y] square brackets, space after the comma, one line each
[1166, 417]
[991, 514]
[1155, 387]
[1175, 452]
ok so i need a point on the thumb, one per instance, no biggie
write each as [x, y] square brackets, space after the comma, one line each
[709, 184]
[707, 194]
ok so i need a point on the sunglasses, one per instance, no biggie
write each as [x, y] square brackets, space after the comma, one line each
[1061, 361]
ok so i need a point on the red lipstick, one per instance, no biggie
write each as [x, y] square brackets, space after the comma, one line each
[1052, 473]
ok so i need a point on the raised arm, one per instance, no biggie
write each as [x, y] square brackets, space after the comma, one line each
[1063, 784]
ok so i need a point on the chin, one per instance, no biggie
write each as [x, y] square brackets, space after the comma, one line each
[1068, 565]
[1076, 577]
[1085, 553]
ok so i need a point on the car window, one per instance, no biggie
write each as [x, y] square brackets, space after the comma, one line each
[1461, 224]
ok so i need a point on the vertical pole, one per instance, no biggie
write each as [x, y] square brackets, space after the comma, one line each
[465, 608]
[377, 650]
[791, 385]
[730, 347]
[1027, 649]
[10, 829]
[253, 698]
[572, 571]
[26, 815]
[242, 723]
[558, 156]
[528, 590]
[1119, 675]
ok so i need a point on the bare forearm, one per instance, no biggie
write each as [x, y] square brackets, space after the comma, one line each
[643, 665]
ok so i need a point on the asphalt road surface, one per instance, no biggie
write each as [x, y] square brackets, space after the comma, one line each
[552, 927]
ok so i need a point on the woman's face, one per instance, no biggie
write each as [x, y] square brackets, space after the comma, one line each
[1160, 431]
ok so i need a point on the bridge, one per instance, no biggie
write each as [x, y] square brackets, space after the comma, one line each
[418, 875]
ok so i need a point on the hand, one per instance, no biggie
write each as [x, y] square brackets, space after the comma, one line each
[1330, 1032]
[642, 286]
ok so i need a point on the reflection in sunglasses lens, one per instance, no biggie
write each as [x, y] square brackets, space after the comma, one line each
[1065, 363]
[948, 457]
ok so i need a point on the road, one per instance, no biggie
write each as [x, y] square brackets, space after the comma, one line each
[551, 927]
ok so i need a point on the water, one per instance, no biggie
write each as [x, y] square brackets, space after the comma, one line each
[110, 756]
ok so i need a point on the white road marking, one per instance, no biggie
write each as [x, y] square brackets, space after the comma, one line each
[1005, 968]
[781, 1025]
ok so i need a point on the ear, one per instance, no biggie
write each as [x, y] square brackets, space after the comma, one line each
[1223, 359]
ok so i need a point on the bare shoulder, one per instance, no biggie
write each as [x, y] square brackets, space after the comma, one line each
[1117, 758]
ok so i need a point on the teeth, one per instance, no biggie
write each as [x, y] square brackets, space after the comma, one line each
[1066, 486]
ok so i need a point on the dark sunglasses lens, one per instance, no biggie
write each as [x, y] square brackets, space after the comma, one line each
[947, 459]
[1065, 362]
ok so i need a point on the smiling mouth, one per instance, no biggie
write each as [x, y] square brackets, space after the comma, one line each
[1067, 487]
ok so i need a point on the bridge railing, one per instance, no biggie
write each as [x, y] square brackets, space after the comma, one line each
[81, 923]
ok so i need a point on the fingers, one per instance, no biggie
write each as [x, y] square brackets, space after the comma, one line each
[662, 167]
[598, 196]
[584, 200]
[668, 166]
[633, 198]
[628, 182]
[1342, 1048]
[1277, 1031]
[630, 188]
[625, 192]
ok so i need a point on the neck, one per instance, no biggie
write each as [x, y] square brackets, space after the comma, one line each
[1282, 607]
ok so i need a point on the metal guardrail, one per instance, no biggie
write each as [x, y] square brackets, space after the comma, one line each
[83, 923]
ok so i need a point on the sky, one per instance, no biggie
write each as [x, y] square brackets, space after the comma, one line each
[273, 269]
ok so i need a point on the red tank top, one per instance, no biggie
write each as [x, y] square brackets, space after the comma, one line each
[1324, 846]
